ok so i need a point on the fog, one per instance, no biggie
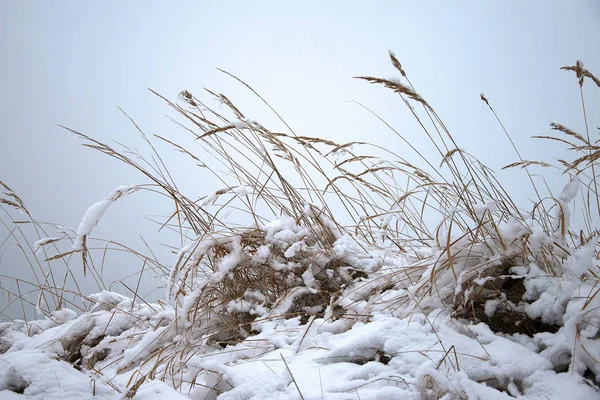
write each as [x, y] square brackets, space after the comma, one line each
[72, 63]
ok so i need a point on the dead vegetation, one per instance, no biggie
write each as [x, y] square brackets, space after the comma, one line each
[341, 238]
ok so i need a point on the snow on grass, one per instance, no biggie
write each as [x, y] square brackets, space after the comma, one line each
[37, 246]
[494, 303]
[96, 211]
[381, 357]
[378, 337]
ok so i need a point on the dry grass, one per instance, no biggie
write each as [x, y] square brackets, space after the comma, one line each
[230, 276]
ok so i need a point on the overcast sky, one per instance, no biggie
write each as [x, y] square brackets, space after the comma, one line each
[73, 62]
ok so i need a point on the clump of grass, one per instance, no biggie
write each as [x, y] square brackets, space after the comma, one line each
[305, 227]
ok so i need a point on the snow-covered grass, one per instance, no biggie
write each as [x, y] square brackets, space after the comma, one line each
[320, 271]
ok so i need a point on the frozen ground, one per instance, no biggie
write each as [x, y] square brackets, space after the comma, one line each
[418, 357]
[382, 346]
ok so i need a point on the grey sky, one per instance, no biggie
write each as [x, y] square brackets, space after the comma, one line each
[72, 62]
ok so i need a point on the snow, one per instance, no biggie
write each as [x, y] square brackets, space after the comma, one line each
[490, 307]
[324, 363]
[157, 390]
[489, 207]
[37, 376]
[363, 343]
[239, 124]
[37, 246]
[570, 190]
[95, 213]
[563, 214]
[548, 385]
